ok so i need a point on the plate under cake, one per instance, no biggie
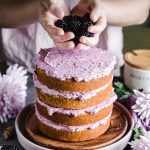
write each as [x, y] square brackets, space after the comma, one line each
[74, 93]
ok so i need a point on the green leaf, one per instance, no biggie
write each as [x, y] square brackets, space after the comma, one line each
[137, 132]
[118, 84]
[122, 92]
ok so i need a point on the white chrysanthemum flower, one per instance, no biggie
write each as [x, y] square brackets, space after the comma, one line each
[142, 105]
[143, 143]
[147, 90]
[12, 92]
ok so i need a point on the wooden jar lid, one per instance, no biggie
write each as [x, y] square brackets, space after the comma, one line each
[139, 58]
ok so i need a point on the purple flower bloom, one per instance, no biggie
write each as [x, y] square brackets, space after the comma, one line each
[140, 107]
[145, 125]
[12, 92]
[143, 143]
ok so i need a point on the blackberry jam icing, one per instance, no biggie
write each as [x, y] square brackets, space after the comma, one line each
[69, 95]
[76, 64]
[77, 112]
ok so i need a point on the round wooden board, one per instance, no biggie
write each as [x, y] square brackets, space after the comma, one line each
[120, 121]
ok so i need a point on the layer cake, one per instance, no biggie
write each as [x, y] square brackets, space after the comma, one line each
[74, 93]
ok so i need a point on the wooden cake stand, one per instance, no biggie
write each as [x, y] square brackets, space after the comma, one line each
[120, 123]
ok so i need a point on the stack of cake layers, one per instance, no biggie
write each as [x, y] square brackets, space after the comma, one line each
[74, 93]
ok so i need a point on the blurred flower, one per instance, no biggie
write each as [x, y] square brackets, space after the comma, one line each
[141, 108]
[143, 143]
[12, 92]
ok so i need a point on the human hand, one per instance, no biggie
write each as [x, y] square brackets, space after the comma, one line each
[49, 12]
[97, 15]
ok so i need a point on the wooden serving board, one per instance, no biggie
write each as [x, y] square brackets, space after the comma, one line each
[120, 121]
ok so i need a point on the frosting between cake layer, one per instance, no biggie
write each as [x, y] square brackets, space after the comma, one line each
[69, 95]
[78, 112]
[77, 64]
[71, 128]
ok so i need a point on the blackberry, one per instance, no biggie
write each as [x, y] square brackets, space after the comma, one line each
[84, 29]
[77, 18]
[88, 34]
[74, 26]
[73, 23]
[85, 18]
[67, 18]
[62, 24]
[87, 24]
[10, 147]
[76, 39]
[71, 18]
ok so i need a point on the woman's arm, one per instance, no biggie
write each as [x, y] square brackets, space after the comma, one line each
[126, 12]
[17, 13]
[114, 12]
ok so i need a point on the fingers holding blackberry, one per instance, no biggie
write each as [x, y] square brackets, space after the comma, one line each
[90, 41]
[97, 24]
[49, 26]
[82, 30]
[99, 27]
[98, 16]
[76, 25]
[82, 46]
[65, 45]
[66, 37]
[52, 30]
[49, 12]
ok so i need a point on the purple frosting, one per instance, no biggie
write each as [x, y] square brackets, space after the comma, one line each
[69, 95]
[78, 112]
[74, 63]
[71, 128]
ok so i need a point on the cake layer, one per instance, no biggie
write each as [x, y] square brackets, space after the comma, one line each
[71, 120]
[61, 102]
[71, 128]
[75, 64]
[71, 85]
[72, 136]
[77, 112]
[69, 95]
